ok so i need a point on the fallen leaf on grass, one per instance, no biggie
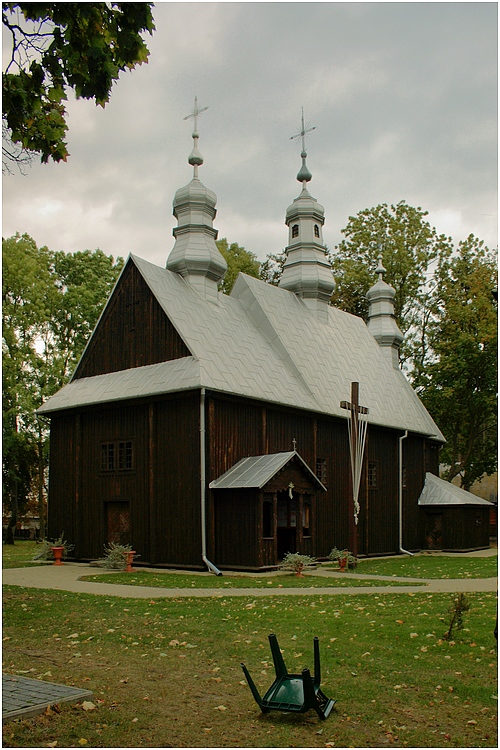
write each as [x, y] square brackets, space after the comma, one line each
[82, 741]
[220, 708]
[88, 706]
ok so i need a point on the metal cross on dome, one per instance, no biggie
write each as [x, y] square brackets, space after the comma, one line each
[303, 132]
[196, 113]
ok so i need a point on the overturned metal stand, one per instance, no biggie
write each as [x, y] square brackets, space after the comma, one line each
[296, 693]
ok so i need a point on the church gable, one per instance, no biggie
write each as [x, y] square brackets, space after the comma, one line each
[133, 331]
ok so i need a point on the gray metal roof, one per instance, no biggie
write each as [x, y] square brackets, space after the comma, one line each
[438, 492]
[256, 471]
[262, 342]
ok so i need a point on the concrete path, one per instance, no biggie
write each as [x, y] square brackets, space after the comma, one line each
[66, 577]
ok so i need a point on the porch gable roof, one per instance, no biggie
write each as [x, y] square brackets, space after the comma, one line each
[254, 472]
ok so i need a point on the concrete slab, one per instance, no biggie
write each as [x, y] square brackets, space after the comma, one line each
[23, 697]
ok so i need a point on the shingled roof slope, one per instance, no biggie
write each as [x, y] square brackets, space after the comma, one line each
[264, 343]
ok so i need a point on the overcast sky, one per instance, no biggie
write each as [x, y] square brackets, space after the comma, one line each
[403, 97]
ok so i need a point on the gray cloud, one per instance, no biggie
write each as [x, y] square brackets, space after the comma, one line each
[403, 96]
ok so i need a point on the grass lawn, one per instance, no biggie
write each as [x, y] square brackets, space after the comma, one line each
[185, 580]
[431, 566]
[20, 554]
[165, 672]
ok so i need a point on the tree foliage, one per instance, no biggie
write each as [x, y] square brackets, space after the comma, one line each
[408, 245]
[237, 259]
[457, 368]
[50, 304]
[60, 46]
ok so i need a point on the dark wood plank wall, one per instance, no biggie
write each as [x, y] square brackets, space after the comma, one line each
[176, 520]
[234, 431]
[331, 515]
[379, 517]
[237, 528]
[134, 331]
[63, 496]
[100, 488]
[414, 473]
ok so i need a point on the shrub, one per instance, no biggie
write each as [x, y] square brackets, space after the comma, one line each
[44, 548]
[115, 556]
[297, 563]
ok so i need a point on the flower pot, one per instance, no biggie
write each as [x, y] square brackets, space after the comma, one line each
[342, 563]
[58, 553]
[129, 560]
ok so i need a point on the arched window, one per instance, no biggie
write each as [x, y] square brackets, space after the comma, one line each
[267, 519]
[316, 230]
[295, 230]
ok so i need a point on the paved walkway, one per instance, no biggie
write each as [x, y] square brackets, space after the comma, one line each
[66, 577]
[23, 697]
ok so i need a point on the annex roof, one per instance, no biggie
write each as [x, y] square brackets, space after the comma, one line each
[439, 492]
[256, 471]
[264, 343]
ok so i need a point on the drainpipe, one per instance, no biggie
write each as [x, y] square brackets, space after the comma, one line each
[403, 437]
[203, 488]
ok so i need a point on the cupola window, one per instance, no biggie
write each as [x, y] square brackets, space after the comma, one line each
[295, 230]
[316, 230]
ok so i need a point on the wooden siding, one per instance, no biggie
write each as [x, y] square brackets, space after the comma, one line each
[63, 507]
[461, 527]
[379, 517]
[176, 515]
[237, 528]
[332, 506]
[234, 431]
[133, 331]
[161, 493]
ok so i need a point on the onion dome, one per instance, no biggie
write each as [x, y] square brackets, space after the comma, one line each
[195, 255]
[381, 318]
[307, 271]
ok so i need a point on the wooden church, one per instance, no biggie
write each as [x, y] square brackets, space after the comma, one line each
[212, 430]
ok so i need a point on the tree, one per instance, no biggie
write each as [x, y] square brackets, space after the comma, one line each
[60, 46]
[50, 304]
[271, 269]
[408, 244]
[237, 259]
[457, 374]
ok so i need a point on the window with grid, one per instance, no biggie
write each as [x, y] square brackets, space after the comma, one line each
[117, 456]
[372, 474]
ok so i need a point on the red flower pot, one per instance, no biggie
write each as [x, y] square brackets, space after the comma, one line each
[130, 559]
[58, 553]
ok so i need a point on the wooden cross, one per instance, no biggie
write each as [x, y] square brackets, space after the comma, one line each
[355, 409]
[294, 444]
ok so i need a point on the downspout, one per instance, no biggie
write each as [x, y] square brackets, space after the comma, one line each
[400, 479]
[203, 488]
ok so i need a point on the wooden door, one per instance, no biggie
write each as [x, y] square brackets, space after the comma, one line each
[287, 524]
[118, 522]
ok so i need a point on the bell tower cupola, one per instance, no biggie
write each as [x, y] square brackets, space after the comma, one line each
[381, 317]
[195, 255]
[307, 270]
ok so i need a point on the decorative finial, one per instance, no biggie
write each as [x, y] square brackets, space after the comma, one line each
[380, 268]
[304, 174]
[195, 157]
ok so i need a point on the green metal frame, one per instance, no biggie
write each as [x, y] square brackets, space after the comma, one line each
[296, 693]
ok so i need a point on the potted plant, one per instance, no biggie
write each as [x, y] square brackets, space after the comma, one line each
[296, 562]
[57, 550]
[344, 558]
[117, 557]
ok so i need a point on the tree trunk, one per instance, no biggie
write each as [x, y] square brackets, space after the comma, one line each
[9, 534]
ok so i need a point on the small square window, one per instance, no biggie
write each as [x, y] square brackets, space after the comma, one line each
[321, 470]
[372, 474]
